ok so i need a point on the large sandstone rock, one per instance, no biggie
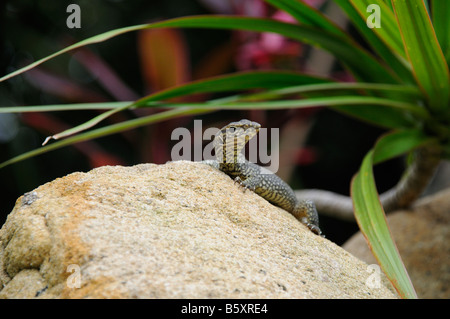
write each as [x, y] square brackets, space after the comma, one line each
[422, 236]
[180, 230]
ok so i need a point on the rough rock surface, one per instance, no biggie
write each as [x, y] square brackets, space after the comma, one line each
[179, 230]
[422, 235]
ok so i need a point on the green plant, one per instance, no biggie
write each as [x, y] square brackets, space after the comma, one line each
[402, 86]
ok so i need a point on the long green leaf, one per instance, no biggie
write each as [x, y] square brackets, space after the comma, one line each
[230, 82]
[211, 85]
[86, 125]
[64, 107]
[310, 102]
[441, 22]
[183, 109]
[372, 222]
[386, 114]
[424, 52]
[306, 14]
[369, 212]
[398, 143]
[239, 81]
[107, 130]
[235, 82]
[360, 62]
[389, 4]
[234, 104]
[407, 92]
[388, 31]
[92, 40]
[401, 67]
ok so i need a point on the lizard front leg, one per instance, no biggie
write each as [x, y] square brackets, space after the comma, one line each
[249, 183]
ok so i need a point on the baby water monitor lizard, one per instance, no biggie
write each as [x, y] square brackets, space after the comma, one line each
[228, 144]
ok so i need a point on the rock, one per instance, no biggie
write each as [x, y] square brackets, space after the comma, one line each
[422, 236]
[179, 230]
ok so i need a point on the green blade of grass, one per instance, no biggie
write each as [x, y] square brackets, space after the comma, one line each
[424, 52]
[369, 212]
[441, 22]
[359, 61]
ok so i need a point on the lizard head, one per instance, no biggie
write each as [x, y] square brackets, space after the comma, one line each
[241, 129]
[233, 137]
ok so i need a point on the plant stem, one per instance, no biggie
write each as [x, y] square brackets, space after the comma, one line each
[407, 190]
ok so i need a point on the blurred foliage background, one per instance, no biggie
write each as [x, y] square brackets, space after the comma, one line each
[319, 149]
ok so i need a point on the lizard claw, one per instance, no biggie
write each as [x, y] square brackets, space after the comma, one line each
[242, 184]
[312, 227]
[315, 229]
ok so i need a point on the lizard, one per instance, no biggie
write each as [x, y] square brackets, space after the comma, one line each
[228, 144]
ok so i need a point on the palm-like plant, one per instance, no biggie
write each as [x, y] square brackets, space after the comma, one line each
[403, 85]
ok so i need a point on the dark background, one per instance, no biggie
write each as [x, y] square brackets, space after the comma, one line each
[31, 30]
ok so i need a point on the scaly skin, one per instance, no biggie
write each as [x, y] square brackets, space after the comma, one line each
[228, 143]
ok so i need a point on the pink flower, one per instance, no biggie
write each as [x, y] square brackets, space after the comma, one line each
[266, 50]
